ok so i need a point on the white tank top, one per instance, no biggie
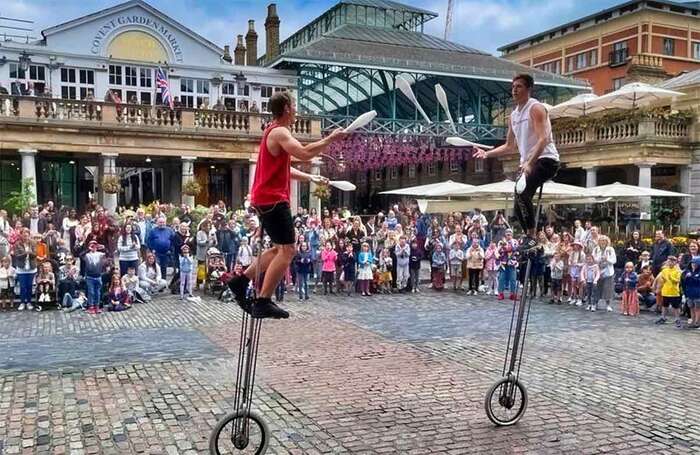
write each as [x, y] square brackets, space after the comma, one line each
[525, 136]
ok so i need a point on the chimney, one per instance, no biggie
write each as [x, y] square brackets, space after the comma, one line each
[251, 44]
[239, 52]
[272, 33]
[227, 54]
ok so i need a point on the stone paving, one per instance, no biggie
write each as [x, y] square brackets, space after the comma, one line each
[387, 374]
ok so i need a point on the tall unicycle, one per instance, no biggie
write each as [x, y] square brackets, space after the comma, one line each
[506, 400]
[243, 431]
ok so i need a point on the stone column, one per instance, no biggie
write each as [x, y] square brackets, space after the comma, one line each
[685, 172]
[591, 176]
[314, 202]
[294, 196]
[694, 183]
[109, 168]
[644, 182]
[252, 165]
[29, 167]
[187, 175]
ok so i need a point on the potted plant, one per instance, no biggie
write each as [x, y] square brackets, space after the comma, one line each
[191, 187]
[111, 184]
[322, 192]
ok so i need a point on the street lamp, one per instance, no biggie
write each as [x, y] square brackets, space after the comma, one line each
[240, 81]
[24, 61]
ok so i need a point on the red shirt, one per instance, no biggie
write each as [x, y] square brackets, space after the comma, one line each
[272, 174]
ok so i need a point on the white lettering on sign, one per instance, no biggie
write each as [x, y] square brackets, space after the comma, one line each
[152, 24]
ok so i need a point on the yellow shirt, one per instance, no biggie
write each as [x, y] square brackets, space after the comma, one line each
[672, 280]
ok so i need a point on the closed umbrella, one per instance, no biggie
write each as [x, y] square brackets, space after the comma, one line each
[575, 107]
[632, 96]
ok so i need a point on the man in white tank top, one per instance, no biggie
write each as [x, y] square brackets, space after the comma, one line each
[530, 134]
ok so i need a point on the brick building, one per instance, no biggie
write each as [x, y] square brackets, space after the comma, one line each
[637, 40]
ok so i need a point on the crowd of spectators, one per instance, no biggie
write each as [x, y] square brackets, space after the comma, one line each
[96, 261]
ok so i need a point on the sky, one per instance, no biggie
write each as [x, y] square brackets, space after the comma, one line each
[484, 25]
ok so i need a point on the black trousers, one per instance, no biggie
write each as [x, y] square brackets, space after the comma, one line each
[544, 169]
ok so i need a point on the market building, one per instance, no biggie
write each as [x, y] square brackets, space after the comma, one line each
[637, 40]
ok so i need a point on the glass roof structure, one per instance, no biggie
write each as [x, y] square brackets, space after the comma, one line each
[348, 60]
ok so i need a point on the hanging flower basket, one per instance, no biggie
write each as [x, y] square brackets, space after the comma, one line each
[111, 184]
[322, 192]
[191, 188]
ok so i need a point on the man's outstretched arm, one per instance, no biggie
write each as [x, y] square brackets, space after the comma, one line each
[304, 152]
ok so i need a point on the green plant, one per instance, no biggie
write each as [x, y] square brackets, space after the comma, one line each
[323, 192]
[666, 211]
[20, 201]
[111, 184]
[569, 124]
[191, 187]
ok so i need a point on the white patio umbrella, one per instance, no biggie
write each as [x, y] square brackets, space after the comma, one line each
[634, 95]
[463, 205]
[622, 192]
[506, 188]
[575, 107]
[431, 190]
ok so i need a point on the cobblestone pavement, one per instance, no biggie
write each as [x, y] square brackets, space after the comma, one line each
[393, 374]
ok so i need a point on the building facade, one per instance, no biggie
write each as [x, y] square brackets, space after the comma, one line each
[83, 102]
[638, 40]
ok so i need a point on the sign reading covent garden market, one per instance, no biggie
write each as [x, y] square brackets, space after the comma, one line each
[131, 20]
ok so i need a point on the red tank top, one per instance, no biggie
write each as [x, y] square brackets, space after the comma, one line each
[272, 174]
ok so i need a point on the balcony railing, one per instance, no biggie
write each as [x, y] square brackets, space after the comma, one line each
[625, 131]
[618, 57]
[156, 118]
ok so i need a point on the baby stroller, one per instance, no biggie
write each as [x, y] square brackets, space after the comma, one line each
[215, 264]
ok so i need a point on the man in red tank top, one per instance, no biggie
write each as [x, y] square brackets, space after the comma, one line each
[270, 198]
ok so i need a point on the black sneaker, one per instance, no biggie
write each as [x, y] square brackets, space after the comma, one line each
[527, 244]
[266, 308]
[239, 288]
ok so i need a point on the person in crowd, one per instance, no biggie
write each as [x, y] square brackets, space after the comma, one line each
[634, 248]
[365, 261]
[150, 276]
[7, 283]
[403, 257]
[670, 290]
[328, 260]
[579, 232]
[414, 265]
[34, 222]
[438, 265]
[691, 290]
[507, 266]
[186, 267]
[130, 282]
[227, 242]
[456, 259]
[590, 276]
[475, 264]
[302, 266]
[117, 295]
[629, 306]
[129, 247]
[686, 258]
[24, 261]
[385, 271]
[160, 242]
[660, 251]
[557, 272]
[644, 261]
[68, 225]
[491, 268]
[94, 263]
[605, 256]
[645, 288]
[45, 283]
[576, 260]
[347, 261]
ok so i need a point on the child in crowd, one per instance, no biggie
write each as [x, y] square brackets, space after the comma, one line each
[456, 258]
[577, 258]
[70, 303]
[644, 260]
[557, 268]
[94, 264]
[630, 302]
[7, 283]
[303, 264]
[671, 290]
[691, 290]
[130, 282]
[187, 268]
[347, 261]
[403, 256]
[491, 268]
[656, 289]
[507, 270]
[438, 263]
[45, 283]
[364, 274]
[475, 264]
[414, 266]
[68, 278]
[117, 297]
[386, 263]
[590, 274]
[328, 258]
[645, 287]
[245, 253]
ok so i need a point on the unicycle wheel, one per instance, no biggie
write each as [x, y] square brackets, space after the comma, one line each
[506, 402]
[254, 439]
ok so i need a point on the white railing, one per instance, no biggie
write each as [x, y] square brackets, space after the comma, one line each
[68, 110]
[222, 120]
[670, 128]
[617, 131]
[570, 137]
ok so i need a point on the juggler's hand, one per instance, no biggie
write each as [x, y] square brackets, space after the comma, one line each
[479, 153]
[336, 135]
[319, 180]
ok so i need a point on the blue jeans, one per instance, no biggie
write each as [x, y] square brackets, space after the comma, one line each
[124, 265]
[230, 259]
[25, 286]
[162, 259]
[303, 285]
[94, 290]
[507, 279]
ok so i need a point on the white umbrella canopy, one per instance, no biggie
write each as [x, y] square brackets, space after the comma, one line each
[634, 95]
[575, 107]
[431, 190]
[619, 190]
[465, 205]
[506, 189]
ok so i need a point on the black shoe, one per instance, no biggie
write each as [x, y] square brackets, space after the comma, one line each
[239, 286]
[527, 244]
[266, 308]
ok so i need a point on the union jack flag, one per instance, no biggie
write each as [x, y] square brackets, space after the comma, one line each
[163, 86]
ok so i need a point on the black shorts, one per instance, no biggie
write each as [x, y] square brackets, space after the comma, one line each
[276, 221]
[673, 302]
